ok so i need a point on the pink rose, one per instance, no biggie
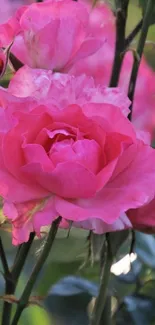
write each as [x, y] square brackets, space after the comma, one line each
[51, 35]
[73, 156]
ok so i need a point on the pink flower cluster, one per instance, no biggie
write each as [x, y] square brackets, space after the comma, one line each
[67, 147]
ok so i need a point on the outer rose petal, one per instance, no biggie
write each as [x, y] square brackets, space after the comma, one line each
[21, 234]
[9, 7]
[122, 193]
[21, 227]
[144, 136]
[13, 141]
[89, 47]
[64, 180]
[10, 28]
[65, 89]
[26, 219]
[100, 227]
[116, 120]
[143, 217]
[30, 82]
[44, 217]
[13, 190]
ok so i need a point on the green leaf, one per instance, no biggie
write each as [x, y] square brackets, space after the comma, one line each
[68, 300]
[136, 310]
[143, 4]
[141, 309]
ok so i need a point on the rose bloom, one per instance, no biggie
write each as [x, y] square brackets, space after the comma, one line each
[67, 149]
[51, 35]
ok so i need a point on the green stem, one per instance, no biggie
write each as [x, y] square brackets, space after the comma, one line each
[106, 315]
[8, 285]
[12, 276]
[97, 316]
[21, 258]
[42, 258]
[133, 241]
[7, 307]
[121, 18]
[139, 51]
[4, 260]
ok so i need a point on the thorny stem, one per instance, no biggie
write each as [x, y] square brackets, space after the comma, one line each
[121, 18]
[105, 276]
[41, 260]
[139, 52]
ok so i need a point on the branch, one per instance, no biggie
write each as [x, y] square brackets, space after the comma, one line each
[4, 260]
[121, 18]
[13, 276]
[97, 317]
[42, 258]
[133, 34]
[21, 258]
[106, 315]
[139, 51]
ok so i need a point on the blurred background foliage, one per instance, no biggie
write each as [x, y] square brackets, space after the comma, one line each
[69, 280]
[69, 285]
